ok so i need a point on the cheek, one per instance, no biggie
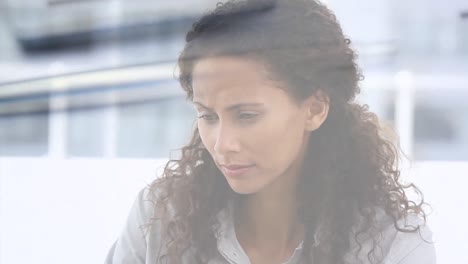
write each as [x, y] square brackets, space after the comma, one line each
[280, 143]
[205, 137]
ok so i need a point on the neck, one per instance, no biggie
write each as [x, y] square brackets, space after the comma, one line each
[267, 220]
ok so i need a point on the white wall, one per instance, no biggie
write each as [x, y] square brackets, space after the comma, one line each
[66, 211]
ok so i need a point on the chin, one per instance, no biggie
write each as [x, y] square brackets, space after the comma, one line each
[244, 188]
[245, 192]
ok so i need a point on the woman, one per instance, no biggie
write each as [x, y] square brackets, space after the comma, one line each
[283, 166]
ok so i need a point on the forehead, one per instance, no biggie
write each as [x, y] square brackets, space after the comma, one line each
[236, 76]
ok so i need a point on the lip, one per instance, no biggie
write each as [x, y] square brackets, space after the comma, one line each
[235, 166]
[236, 170]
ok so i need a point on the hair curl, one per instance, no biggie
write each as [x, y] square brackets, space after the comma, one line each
[353, 167]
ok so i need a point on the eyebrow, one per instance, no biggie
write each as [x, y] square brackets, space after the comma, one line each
[231, 107]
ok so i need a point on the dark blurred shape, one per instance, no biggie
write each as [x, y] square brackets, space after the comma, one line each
[464, 14]
[433, 125]
[61, 2]
[86, 39]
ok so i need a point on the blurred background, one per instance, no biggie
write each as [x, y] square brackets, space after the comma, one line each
[90, 111]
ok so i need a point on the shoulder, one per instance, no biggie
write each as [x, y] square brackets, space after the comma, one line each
[145, 203]
[396, 246]
[152, 207]
[412, 247]
[140, 239]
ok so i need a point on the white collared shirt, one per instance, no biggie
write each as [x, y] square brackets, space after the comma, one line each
[133, 247]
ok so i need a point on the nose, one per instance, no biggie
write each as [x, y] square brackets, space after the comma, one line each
[226, 140]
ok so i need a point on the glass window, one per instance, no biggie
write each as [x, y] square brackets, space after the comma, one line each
[24, 126]
[441, 125]
[86, 132]
[153, 129]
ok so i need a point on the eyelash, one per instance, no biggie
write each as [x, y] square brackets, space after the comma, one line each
[250, 117]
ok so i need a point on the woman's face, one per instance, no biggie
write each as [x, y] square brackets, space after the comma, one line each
[245, 120]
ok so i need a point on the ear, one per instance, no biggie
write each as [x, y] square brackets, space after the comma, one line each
[316, 109]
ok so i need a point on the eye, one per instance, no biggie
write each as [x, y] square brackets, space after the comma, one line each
[207, 117]
[247, 116]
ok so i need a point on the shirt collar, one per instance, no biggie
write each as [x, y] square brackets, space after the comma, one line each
[229, 246]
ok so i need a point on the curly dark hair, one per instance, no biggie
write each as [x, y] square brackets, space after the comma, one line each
[353, 168]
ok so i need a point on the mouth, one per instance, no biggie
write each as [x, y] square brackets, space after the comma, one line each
[236, 170]
[236, 166]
